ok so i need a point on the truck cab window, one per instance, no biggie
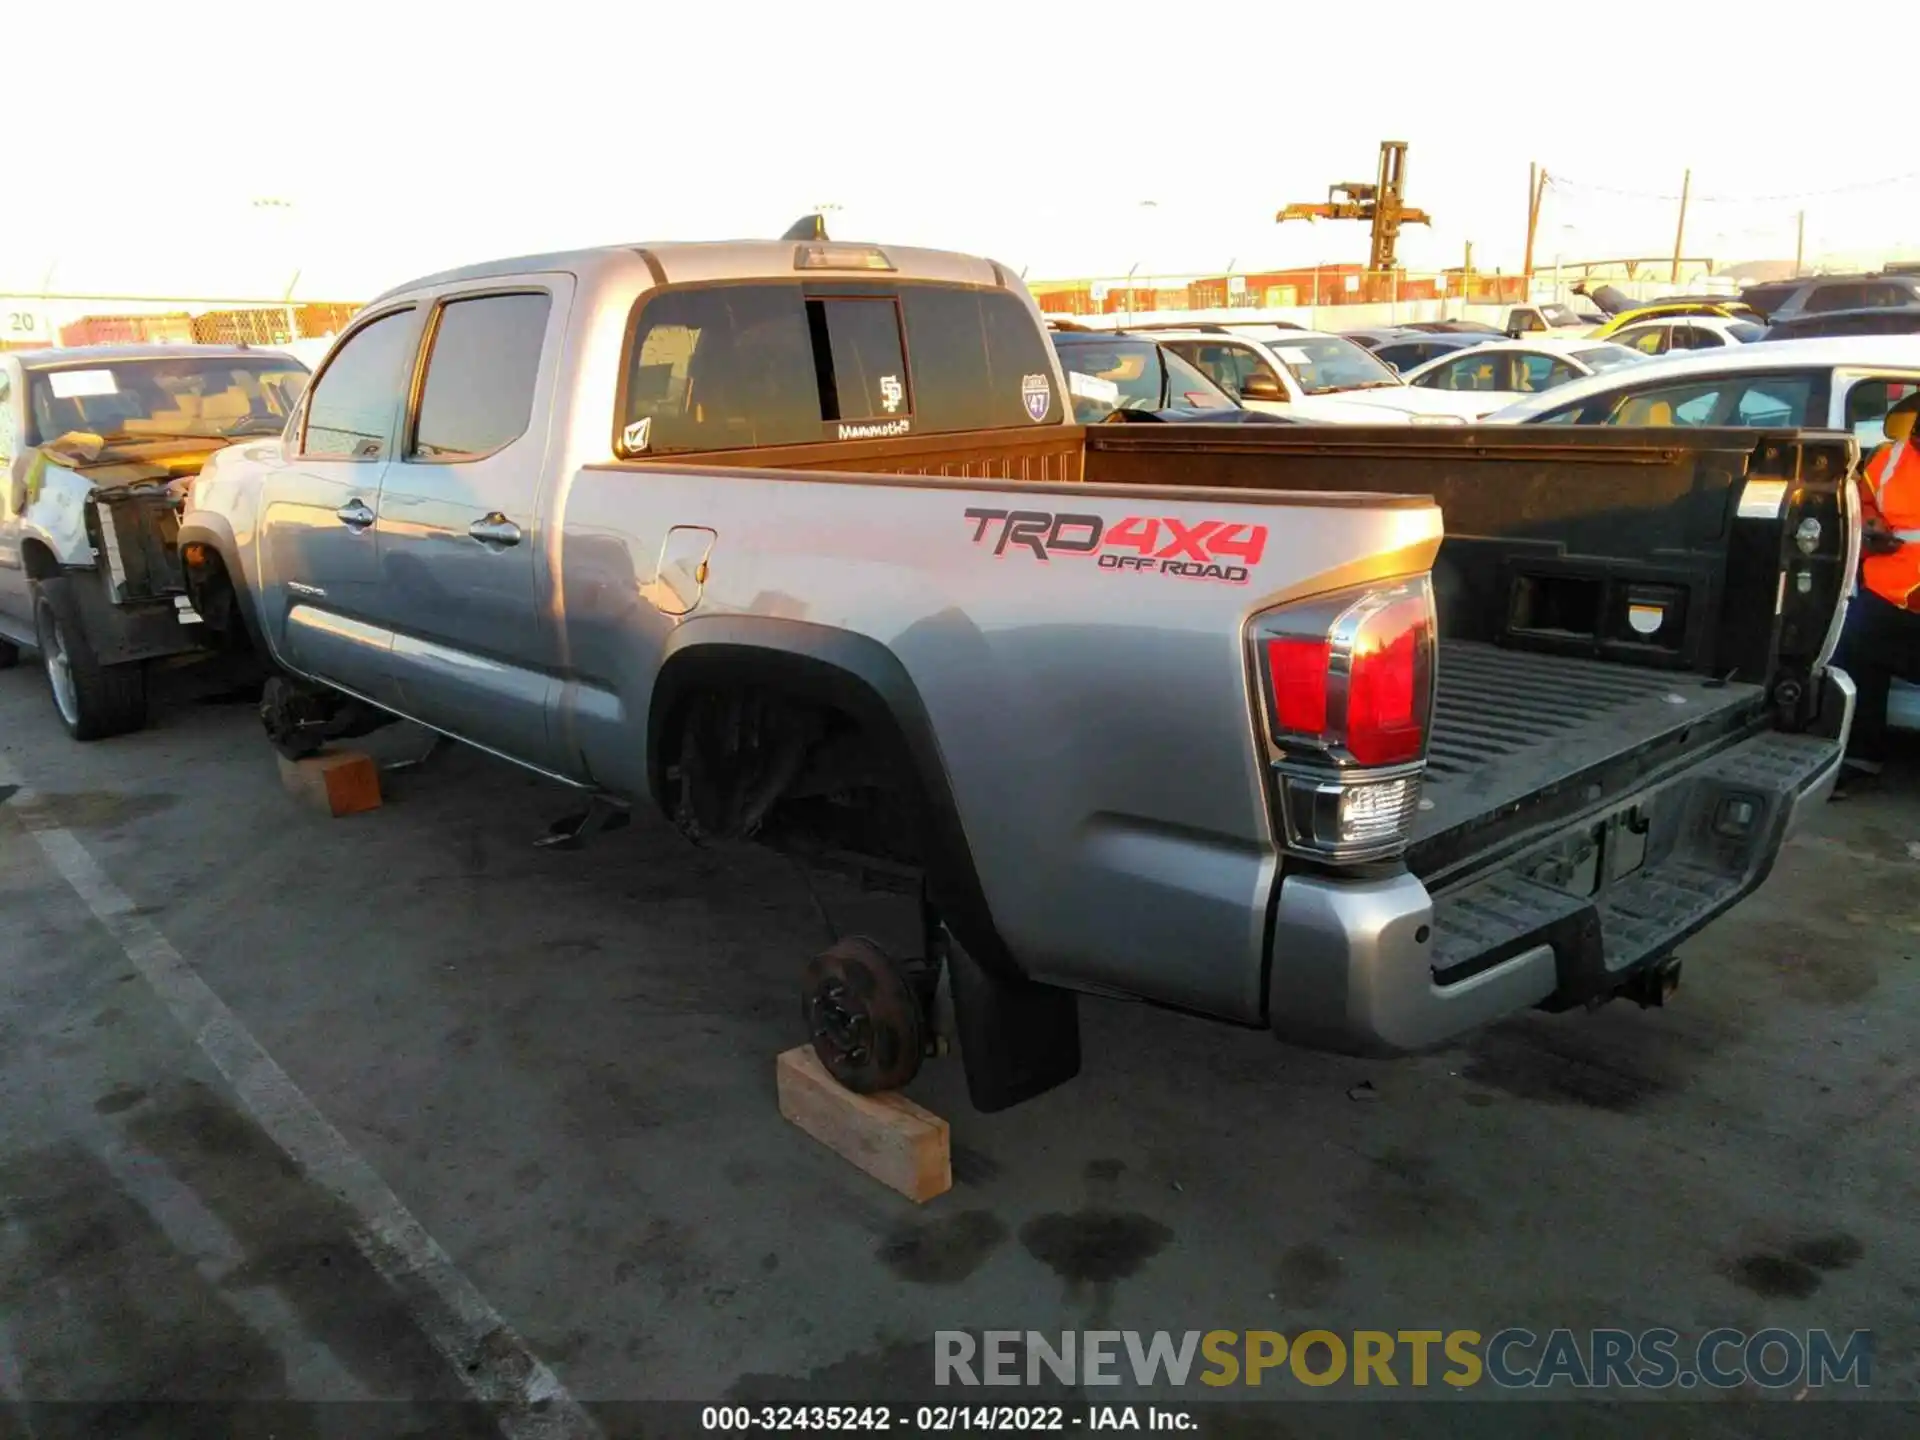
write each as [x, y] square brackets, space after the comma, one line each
[481, 370]
[350, 412]
[722, 368]
[867, 375]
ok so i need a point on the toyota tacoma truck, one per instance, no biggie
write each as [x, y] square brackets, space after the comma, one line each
[96, 448]
[797, 541]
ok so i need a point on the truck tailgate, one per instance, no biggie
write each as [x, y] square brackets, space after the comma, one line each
[1519, 739]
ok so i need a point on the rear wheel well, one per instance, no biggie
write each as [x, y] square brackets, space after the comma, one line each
[746, 760]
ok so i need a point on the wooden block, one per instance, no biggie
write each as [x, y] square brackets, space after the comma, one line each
[888, 1136]
[336, 782]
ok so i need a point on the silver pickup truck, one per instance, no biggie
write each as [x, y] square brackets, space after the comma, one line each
[796, 539]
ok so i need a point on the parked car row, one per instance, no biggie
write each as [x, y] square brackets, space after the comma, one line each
[1831, 384]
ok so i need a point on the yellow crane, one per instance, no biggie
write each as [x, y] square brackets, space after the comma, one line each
[1382, 202]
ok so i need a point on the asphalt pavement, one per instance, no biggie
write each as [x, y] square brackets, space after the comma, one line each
[404, 1115]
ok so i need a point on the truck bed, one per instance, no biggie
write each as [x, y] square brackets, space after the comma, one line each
[1513, 728]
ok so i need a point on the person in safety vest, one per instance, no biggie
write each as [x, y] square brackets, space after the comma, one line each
[1881, 641]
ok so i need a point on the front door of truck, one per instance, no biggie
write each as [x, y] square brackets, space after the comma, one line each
[319, 577]
[458, 536]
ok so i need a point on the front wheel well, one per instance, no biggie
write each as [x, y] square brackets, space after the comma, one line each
[211, 589]
[39, 560]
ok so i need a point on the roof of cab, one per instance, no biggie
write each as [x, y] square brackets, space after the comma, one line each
[680, 262]
[108, 354]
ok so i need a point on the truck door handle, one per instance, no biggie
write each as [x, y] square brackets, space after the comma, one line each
[495, 529]
[355, 514]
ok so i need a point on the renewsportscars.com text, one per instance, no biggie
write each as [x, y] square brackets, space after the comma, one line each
[1512, 1358]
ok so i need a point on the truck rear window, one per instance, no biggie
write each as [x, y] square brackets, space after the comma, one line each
[739, 366]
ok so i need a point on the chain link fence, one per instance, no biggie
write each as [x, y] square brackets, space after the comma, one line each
[1321, 296]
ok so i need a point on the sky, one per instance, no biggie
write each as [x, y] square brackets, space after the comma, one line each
[226, 149]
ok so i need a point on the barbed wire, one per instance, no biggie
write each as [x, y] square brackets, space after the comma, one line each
[1561, 182]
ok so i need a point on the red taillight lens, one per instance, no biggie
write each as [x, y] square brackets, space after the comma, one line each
[1388, 686]
[1350, 676]
[1297, 671]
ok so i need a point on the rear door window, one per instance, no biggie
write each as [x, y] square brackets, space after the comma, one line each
[732, 367]
[1837, 297]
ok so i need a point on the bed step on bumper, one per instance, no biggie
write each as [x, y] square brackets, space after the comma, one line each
[1592, 908]
[1690, 850]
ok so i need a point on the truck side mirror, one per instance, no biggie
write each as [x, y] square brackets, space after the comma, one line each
[1262, 386]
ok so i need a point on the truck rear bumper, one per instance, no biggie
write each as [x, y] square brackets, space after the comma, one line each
[1383, 967]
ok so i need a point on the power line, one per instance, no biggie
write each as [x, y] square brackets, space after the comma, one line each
[1559, 182]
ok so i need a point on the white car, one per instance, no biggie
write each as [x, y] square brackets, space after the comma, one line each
[1677, 334]
[1841, 382]
[1474, 383]
[1552, 320]
[1302, 374]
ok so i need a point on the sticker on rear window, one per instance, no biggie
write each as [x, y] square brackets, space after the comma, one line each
[1037, 394]
[873, 429]
[637, 436]
[891, 393]
[78, 384]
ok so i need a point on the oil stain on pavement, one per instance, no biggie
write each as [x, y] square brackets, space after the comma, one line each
[943, 1251]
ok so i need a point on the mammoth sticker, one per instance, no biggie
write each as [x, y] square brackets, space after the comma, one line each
[1222, 550]
[1036, 392]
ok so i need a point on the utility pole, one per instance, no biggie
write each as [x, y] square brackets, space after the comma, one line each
[1799, 242]
[1536, 190]
[1680, 230]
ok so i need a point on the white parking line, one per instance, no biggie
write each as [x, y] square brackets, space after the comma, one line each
[491, 1361]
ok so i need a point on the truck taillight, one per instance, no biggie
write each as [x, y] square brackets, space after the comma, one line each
[1348, 687]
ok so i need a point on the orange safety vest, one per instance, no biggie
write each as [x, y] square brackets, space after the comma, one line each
[1893, 490]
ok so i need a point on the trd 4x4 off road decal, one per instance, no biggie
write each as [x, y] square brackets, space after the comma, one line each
[1197, 550]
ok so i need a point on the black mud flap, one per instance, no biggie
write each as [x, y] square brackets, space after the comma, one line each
[1018, 1038]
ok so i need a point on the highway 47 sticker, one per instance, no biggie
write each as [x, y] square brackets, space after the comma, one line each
[1037, 394]
[1225, 550]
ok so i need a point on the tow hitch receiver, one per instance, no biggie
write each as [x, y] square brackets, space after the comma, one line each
[1653, 985]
